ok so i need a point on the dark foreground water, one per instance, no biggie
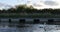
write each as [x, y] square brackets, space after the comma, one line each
[15, 27]
[30, 28]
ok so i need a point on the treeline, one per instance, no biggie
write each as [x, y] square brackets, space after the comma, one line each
[25, 9]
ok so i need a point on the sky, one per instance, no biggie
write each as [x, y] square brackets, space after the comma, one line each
[38, 4]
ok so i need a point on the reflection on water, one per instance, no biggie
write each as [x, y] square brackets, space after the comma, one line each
[15, 27]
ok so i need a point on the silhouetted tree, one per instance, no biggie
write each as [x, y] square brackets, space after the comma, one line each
[26, 9]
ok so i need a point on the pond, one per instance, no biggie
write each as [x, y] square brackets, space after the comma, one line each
[28, 28]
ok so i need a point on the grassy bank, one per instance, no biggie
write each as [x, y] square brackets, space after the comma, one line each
[29, 15]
